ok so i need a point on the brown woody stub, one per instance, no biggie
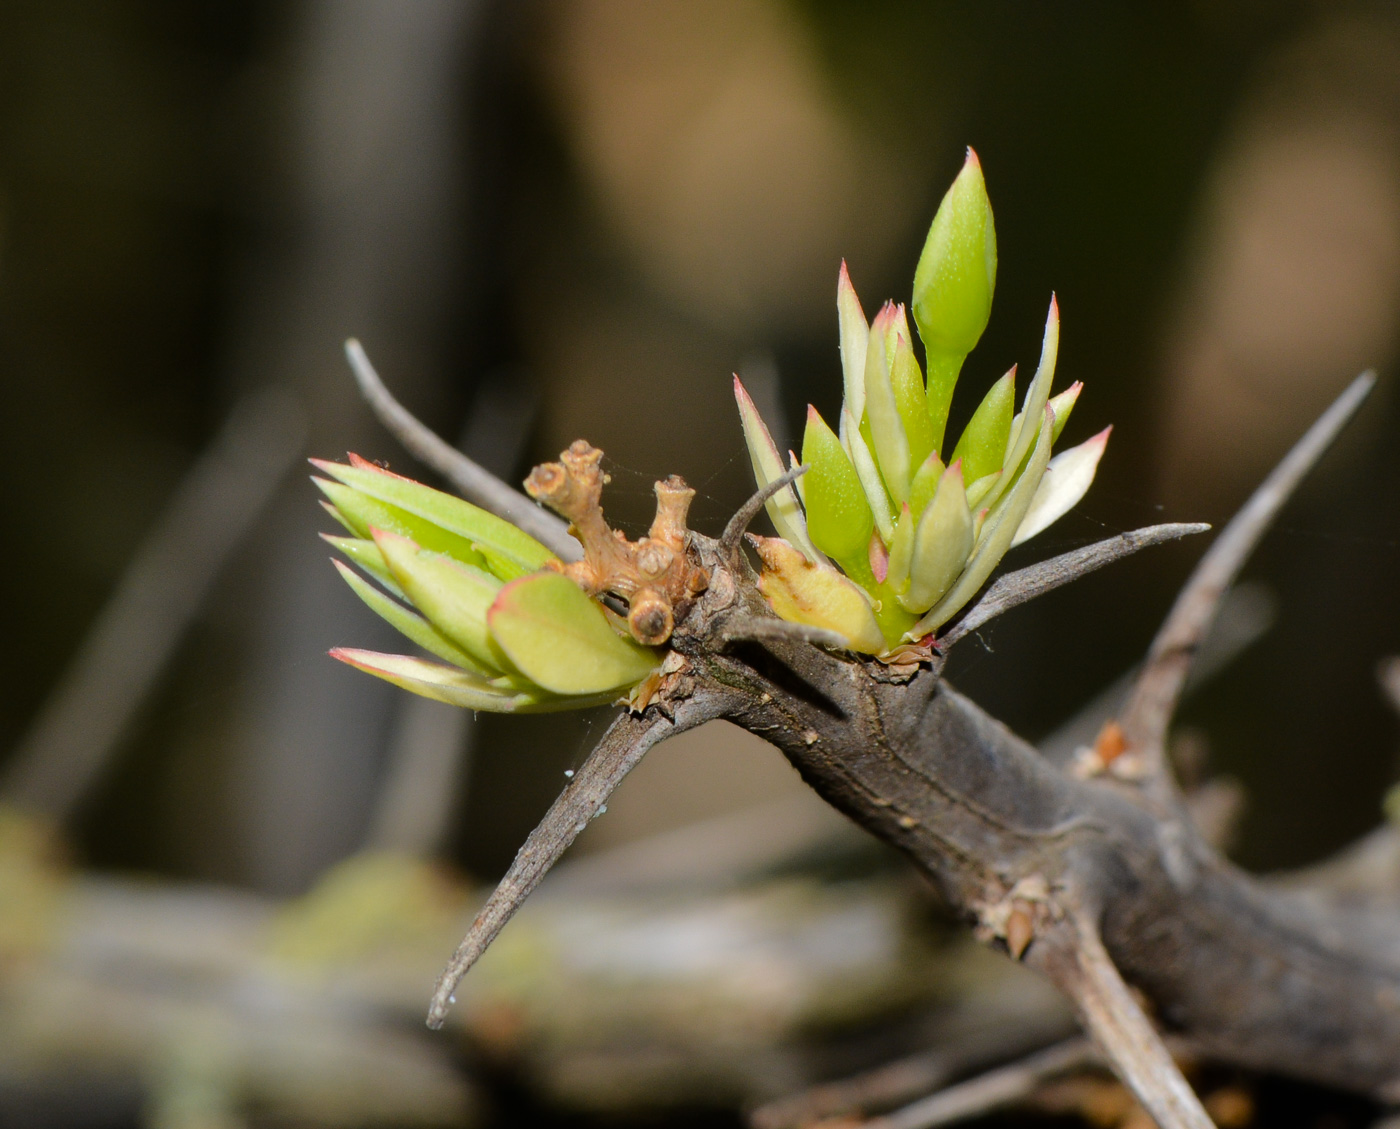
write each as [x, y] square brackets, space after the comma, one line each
[654, 575]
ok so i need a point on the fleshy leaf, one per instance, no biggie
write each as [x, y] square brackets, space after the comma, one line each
[363, 512]
[838, 514]
[817, 594]
[448, 683]
[484, 530]
[982, 446]
[869, 475]
[855, 335]
[993, 539]
[941, 544]
[957, 270]
[453, 597]
[1062, 405]
[886, 428]
[408, 623]
[783, 508]
[901, 551]
[925, 483]
[366, 554]
[979, 489]
[1037, 396]
[559, 638]
[1066, 480]
[907, 379]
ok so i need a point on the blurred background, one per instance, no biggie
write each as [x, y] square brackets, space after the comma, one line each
[575, 218]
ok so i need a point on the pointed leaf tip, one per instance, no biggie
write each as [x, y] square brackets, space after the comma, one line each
[1067, 479]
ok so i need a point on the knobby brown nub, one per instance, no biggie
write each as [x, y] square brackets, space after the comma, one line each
[653, 576]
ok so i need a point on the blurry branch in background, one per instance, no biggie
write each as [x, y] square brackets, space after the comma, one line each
[472, 481]
[124, 653]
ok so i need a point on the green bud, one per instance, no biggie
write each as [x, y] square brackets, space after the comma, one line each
[957, 270]
[560, 639]
[838, 515]
[982, 446]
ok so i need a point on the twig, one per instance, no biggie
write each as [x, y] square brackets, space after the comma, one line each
[734, 531]
[992, 1090]
[1085, 972]
[165, 584]
[1025, 584]
[616, 754]
[1149, 709]
[472, 481]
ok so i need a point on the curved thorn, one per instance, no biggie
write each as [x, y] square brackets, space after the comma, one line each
[734, 531]
[1027, 583]
[476, 484]
[1153, 700]
[616, 754]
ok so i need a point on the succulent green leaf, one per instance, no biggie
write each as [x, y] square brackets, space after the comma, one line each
[941, 544]
[1037, 397]
[1067, 479]
[485, 530]
[838, 515]
[451, 685]
[783, 507]
[817, 594]
[907, 380]
[981, 488]
[855, 335]
[1062, 405]
[408, 623]
[453, 597]
[982, 446]
[363, 512]
[886, 428]
[994, 538]
[925, 483]
[901, 550]
[869, 474]
[559, 638]
[340, 518]
[366, 554]
[957, 270]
